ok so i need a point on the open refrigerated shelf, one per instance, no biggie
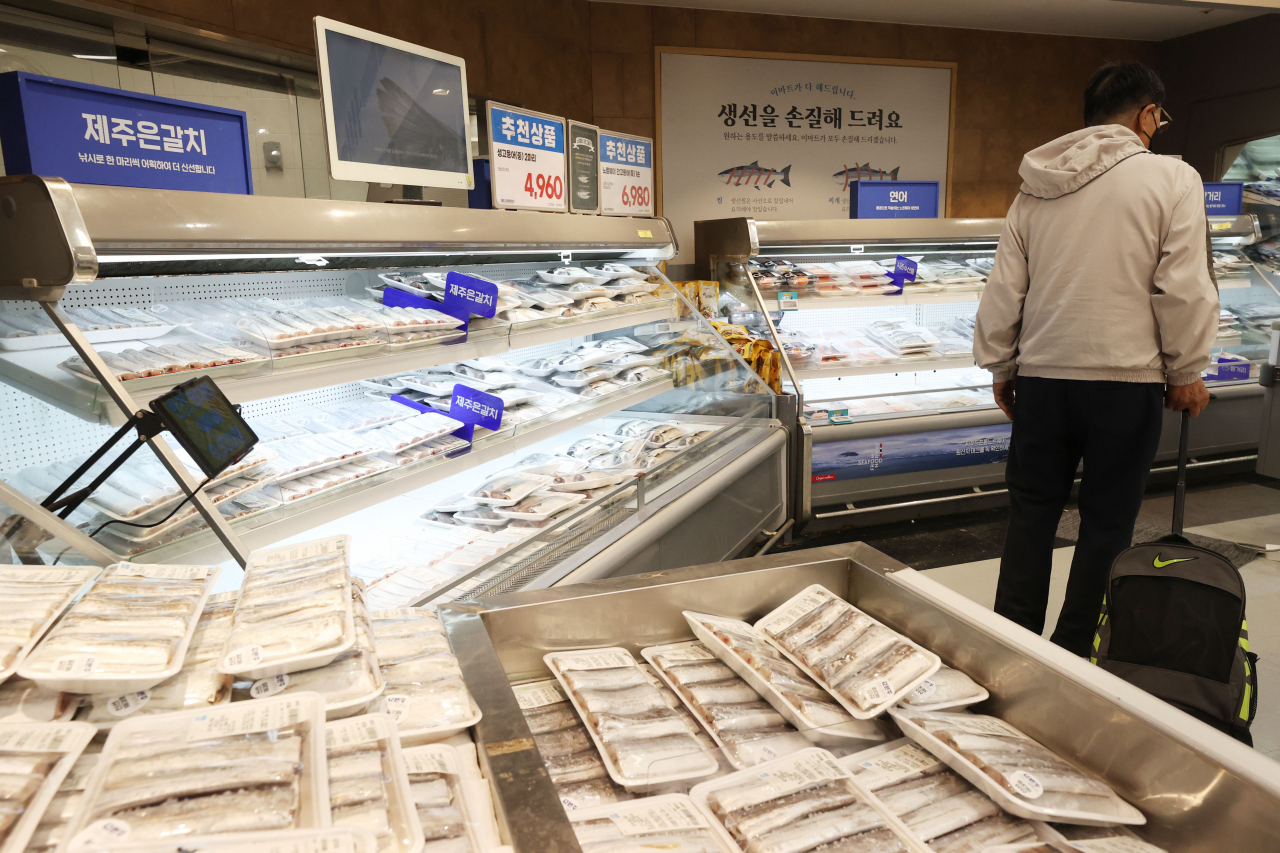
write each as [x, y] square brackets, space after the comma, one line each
[268, 528]
[285, 279]
[37, 373]
[756, 262]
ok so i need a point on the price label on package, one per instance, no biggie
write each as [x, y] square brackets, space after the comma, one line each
[526, 159]
[788, 301]
[593, 660]
[626, 175]
[800, 772]
[269, 686]
[642, 818]
[687, 654]
[397, 705]
[901, 762]
[123, 706]
[538, 694]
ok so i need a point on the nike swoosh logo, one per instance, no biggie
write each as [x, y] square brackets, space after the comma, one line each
[1160, 564]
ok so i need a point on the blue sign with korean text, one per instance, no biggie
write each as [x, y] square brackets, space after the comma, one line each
[95, 135]
[527, 131]
[475, 409]
[465, 295]
[625, 150]
[904, 270]
[1223, 198]
[893, 200]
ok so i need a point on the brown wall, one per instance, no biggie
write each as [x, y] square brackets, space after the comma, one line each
[594, 62]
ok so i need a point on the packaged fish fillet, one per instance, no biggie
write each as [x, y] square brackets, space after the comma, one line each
[244, 767]
[354, 746]
[283, 629]
[446, 815]
[669, 822]
[127, 633]
[615, 698]
[49, 832]
[1022, 776]
[34, 599]
[865, 665]
[507, 489]
[424, 693]
[792, 693]
[797, 803]
[946, 688]
[35, 758]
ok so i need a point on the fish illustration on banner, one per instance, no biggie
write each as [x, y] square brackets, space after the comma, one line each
[753, 175]
[863, 172]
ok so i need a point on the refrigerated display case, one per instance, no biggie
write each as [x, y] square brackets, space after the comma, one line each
[284, 303]
[1196, 788]
[893, 405]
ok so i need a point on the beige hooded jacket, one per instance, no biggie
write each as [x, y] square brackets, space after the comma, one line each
[1102, 270]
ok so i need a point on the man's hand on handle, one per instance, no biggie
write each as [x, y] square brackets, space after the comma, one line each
[1003, 392]
[1191, 398]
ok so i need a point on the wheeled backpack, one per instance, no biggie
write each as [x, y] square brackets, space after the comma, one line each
[1173, 623]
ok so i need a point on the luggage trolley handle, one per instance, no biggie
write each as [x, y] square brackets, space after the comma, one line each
[1180, 490]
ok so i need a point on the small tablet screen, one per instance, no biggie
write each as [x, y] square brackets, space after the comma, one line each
[205, 423]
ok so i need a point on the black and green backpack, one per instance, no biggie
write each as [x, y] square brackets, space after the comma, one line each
[1173, 623]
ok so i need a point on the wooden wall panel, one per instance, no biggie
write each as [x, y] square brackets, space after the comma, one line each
[594, 62]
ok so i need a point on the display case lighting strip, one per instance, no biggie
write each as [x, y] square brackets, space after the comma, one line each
[311, 257]
[862, 248]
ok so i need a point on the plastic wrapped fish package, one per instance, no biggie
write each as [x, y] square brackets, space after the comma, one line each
[937, 804]
[162, 359]
[438, 794]
[747, 728]
[670, 822]
[567, 750]
[35, 758]
[294, 611]
[348, 683]
[798, 803]
[129, 632]
[946, 688]
[368, 788]
[864, 664]
[198, 684]
[34, 598]
[62, 807]
[642, 739]
[243, 767]
[806, 705]
[1023, 776]
[425, 693]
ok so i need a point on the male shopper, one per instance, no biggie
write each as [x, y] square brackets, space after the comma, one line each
[1100, 307]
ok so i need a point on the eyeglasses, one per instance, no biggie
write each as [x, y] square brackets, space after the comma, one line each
[1163, 119]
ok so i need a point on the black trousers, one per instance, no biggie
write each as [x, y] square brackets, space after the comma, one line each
[1114, 428]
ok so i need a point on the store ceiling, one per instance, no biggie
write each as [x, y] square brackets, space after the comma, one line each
[1148, 20]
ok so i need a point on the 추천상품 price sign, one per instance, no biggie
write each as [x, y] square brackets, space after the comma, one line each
[626, 175]
[526, 159]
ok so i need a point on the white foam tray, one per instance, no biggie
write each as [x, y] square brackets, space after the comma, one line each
[266, 560]
[30, 574]
[305, 711]
[99, 336]
[816, 593]
[646, 783]
[118, 684]
[1126, 813]
[380, 729]
[70, 739]
[862, 730]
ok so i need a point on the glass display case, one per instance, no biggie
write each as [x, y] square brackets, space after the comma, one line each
[892, 401]
[325, 322]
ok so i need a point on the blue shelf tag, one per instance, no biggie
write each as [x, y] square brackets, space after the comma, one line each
[904, 270]
[465, 295]
[474, 408]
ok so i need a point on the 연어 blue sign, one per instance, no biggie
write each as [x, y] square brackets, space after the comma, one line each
[893, 200]
[1223, 198]
[904, 270]
[465, 295]
[94, 135]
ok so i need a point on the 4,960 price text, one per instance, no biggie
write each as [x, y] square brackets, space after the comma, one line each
[544, 186]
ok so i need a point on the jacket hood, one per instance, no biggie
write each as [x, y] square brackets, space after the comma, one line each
[1069, 162]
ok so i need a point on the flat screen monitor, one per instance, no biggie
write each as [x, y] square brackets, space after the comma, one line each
[394, 112]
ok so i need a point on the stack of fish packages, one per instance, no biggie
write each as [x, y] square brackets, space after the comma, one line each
[958, 783]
